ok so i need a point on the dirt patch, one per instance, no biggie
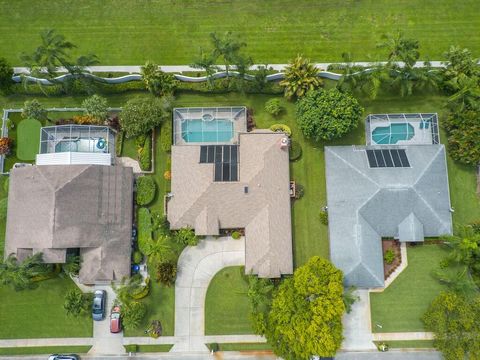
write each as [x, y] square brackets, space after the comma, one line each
[391, 244]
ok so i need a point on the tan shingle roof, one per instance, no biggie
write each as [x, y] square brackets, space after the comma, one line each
[264, 211]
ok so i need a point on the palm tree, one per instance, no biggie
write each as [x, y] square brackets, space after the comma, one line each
[259, 292]
[460, 282]
[19, 275]
[464, 246]
[127, 287]
[206, 62]
[51, 54]
[460, 63]
[226, 47]
[400, 48]
[158, 249]
[351, 79]
[300, 76]
[466, 93]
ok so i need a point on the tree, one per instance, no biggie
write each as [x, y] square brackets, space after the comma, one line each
[32, 109]
[466, 94]
[463, 131]
[6, 73]
[158, 249]
[326, 115]
[460, 63]
[140, 115]
[301, 76]
[96, 107]
[133, 314]
[127, 287]
[167, 272]
[72, 265]
[306, 313]
[157, 81]
[5, 145]
[206, 62]
[76, 303]
[400, 48]
[227, 48]
[242, 65]
[19, 275]
[455, 321]
[408, 78]
[273, 107]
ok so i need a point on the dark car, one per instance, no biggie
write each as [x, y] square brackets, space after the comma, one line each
[64, 357]
[98, 307]
[115, 320]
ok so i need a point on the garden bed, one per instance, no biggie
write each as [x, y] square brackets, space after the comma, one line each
[393, 245]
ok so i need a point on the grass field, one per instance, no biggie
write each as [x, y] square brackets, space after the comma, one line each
[227, 310]
[39, 350]
[400, 307]
[28, 138]
[39, 312]
[125, 32]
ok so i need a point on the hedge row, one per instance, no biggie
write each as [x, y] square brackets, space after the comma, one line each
[144, 222]
[145, 155]
[166, 136]
[119, 143]
[146, 189]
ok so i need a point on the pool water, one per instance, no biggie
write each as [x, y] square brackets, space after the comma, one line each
[393, 133]
[213, 131]
[82, 145]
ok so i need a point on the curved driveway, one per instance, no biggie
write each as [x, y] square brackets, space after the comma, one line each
[196, 267]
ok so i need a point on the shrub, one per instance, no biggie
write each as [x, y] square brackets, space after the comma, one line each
[236, 235]
[6, 73]
[140, 115]
[145, 155]
[167, 175]
[463, 132]
[146, 189]
[273, 107]
[5, 145]
[166, 136]
[141, 292]
[85, 120]
[324, 217]
[186, 236]
[133, 314]
[281, 128]
[33, 109]
[76, 303]
[144, 222]
[3, 208]
[389, 256]
[299, 191]
[167, 273]
[119, 143]
[476, 226]
[327, 115]
[214, 347]
[96, 107]
[137, 257]
[156, 81]
[300, 77]
[295, 151]
[140, 141]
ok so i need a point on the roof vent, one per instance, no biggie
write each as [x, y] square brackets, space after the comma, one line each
[245, 189]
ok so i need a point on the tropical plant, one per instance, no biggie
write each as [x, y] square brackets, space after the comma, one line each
[453, 319]
[242, 65]
[19, 275]
[260, 81]
[350, 298]
[311, 304]
[273, 107]
[127, 287]
[133, 314]
[327, 115]
[72, 265]
[282, 128]
[167, 272]
[226, 47]
[389, 256]
[146, 189]
[186, 236]
[96, 107]
[76, 303]
[400, 48]
[466, 94]
[206, 62]
[6, 73]
[5, 145]
[301, 76]
[459, 281]
[460, 64]
[32, 109]
[157, 81]
[463, 131]
[407, 78]
[140, 115]
[464, 247]
[158, 249]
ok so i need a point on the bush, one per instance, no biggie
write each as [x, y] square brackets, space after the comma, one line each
[6, 73]
[144, 222]
[137, 257]
[476, 226]
[34, 110]
[327, 115]
[166, 136]
[96, 107]
[281, 128]
[186, 236]
[301, 76]
[3, 208]
[273, 107]
[76, 303]
[463, 131]
[5, 145]
[167, 175]
[324, 217]
[141, 292]
[299, 191]
[295, 151]
[167, 273]
[140, 141]
[145, 155]
[85, 120]
[141, 115]
[236, 235]
[156, 81]
[119, 143]
[146, 189]
[389, 256]
[133, 314]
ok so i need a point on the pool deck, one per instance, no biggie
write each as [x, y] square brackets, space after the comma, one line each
[421, 136]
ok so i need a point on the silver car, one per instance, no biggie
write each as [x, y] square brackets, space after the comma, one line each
[98, 306]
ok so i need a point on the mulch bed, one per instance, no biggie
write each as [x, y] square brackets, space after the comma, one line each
[394, 245]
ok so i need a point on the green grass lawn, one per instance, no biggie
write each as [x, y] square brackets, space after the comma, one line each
[124, 32]
[39, 312]
[28, 139]
[227, 310]
[148, 348]
[242, 347]
[39, 350]
[400, 307]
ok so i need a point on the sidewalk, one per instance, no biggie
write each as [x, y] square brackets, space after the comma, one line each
[403, 336]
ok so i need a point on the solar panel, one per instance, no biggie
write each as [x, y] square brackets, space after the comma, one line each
[371, 159]
[379, 157]
[387, 158]
[396, 158]
[218, 153]
[203, 154]
[403, 158]
[234, 172]
[210, 154]
[225, 158]
[218, 172]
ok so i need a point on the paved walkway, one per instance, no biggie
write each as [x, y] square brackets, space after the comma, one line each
[129, 162]
[403, 336]
[197, 266]
[46, 342]
[356, 325]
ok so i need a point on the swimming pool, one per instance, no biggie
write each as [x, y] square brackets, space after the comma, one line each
[393, 133]
[97, 145]
[212, 131]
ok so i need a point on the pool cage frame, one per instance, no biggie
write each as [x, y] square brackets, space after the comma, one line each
[49, 136]
[236, 114]
[426, 120]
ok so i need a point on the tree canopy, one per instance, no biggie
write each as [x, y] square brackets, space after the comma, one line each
[301, 76]
[6, 73]
[326, 115]
[156, 81]
[96, 107]
[140, 115]
[305, 318]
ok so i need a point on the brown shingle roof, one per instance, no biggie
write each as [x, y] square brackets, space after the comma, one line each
[54, 208]
[264, 211]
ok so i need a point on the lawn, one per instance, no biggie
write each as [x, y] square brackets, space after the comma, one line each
[400, 307]
[227, 310]
[242, 347]
[39, 312]
[28, 139]
[124, 32]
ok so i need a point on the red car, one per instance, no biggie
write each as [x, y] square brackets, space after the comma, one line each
[115, 320]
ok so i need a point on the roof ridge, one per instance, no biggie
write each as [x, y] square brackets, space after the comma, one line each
[429, 164]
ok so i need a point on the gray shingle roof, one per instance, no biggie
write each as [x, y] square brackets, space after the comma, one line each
[366, 204]
[54, 208]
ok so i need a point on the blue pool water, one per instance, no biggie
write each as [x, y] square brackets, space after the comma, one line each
[213, 131]
[392, 134]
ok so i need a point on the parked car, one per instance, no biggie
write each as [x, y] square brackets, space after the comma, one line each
[64, 357]
[115, 320]
[98, 307]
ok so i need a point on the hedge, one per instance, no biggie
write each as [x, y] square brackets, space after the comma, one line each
[119, 143]
[166, 136]
[146, 189]
[281, 128]
[295, 150]
[145, 155]
[144, 223]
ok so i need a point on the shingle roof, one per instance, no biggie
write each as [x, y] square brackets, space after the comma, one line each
[264, 211]
[54, 208]
[366, 204]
